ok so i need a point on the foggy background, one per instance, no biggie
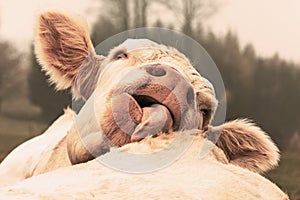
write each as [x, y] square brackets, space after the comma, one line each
[254, 44]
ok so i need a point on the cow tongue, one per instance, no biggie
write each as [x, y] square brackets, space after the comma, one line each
[156, 118]
[150, 119]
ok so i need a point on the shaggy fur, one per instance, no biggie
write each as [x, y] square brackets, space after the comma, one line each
[188, 178]
[87, 77]
[62, 43]
[245, 145]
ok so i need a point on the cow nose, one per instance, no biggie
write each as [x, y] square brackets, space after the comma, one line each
[170, 77]
[156, 70]
[168, 87]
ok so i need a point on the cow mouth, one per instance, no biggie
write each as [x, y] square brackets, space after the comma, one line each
[154, 95]
[155, 117]
[148, 111]
[145, 101]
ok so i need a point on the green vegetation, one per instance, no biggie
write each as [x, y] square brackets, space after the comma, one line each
[287, 175]
[15, 131]
[8, 143]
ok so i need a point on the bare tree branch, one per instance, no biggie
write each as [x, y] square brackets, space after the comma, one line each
[190, 11]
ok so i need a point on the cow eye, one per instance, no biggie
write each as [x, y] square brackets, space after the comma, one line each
[120, 55]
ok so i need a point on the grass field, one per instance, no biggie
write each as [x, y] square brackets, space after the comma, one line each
[7, 143]
[20, 127]
[287, 175]
[13, 132]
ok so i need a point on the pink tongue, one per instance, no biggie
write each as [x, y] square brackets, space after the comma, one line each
[145, 121]
[155, 119]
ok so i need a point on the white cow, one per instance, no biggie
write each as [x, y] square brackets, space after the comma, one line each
[166, 97]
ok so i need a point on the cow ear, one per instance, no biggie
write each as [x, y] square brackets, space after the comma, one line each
[245, 145]
[61, 46]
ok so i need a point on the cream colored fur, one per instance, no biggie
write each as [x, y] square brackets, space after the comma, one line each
[57, 35]
[223, 174]
[190, 177]
[246, 145]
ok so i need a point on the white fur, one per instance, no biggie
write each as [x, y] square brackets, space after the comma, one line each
[188, 178]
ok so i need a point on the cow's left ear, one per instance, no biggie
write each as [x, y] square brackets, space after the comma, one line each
[62, 43]
[245, 145]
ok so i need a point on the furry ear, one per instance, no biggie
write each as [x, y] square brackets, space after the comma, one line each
[245, 145]
[87, 76]
[62, 44]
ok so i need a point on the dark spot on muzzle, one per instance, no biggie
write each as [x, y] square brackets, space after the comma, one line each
[190, 96]
[156, 70]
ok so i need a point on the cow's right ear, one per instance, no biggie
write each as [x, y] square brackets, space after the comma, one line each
[62, 46]
[245, 145]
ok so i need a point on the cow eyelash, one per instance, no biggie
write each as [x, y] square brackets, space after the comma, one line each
[121, 54]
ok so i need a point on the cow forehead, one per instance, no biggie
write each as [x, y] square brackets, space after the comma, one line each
[131, 44]
[145, 50]
[151, 51]
[146, 47]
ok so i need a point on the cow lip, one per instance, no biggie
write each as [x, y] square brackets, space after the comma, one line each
[146, 101]
[150, 94]
[122, 121]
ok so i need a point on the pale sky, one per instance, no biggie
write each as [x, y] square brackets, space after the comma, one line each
[270, 25]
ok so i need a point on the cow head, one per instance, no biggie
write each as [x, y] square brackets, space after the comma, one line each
[141, 88]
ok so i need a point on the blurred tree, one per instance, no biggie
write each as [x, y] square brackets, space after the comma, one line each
[140, 13]
[124, 14]
[9, 60]
[103, 29]
[120, 11]
[249, 52]
[229, 64]
[277, 88]
[159, 23]
[127, 14]
[263, 89]
[44, 95]
[118, 14]
[190, 11]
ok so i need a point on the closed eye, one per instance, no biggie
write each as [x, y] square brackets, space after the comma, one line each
[121, 54]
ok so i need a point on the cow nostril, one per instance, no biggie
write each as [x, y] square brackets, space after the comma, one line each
[190, 96]
[156, 71]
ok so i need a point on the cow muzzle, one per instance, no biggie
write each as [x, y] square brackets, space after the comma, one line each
[158, 99]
